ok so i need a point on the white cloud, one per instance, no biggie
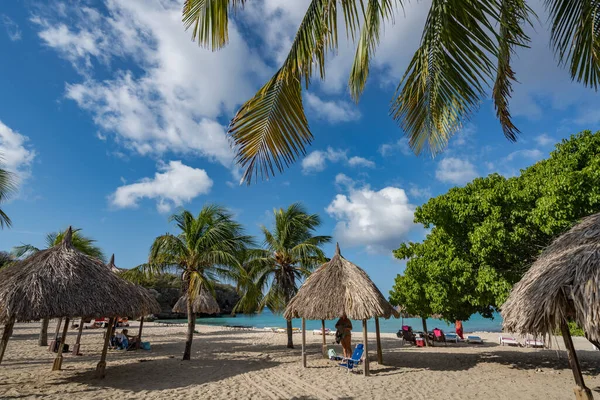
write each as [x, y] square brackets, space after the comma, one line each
[464, 136]
[344, 181]
[360, 162]
[332, 111]
[316, 161]
[532, 154]
[174, 185]
[12, 28]
[544, 140]
[401, 146]
[420, 192]
[173, 98]
[456, 171]
[378, 220]
[16, 155]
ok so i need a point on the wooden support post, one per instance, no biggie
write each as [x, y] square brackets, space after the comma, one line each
[78, 340]
[59, 358]
[101, 367]
[377, 334]
[43, 339]
[581, 391]
[56, 333]
[140, 331]
[5, 336]
[324, 339]
[303, 342]
[366, 345]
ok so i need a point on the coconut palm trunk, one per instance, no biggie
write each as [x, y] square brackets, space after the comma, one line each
[190, 331]
[43, 339]
[290, 343]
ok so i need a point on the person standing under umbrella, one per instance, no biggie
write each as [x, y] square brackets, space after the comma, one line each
[344, 330]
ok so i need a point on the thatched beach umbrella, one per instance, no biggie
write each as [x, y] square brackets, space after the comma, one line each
[204, 303]
[340, 288]
[62, 282]
[111, 265]
[564, 283]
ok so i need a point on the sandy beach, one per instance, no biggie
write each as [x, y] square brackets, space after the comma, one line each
[249, 364]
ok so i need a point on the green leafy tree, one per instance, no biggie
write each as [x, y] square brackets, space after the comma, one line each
[204, 249]
[484, 236]
[465, 54]
[80, 242]
[291, 252]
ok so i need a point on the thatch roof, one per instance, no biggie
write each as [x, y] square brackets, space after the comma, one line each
[563, 282]
[111, 265]
[146, 295]
[63, 282]
[204, 303]
[339, 287]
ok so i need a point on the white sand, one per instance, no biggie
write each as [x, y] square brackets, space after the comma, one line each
[237, 364]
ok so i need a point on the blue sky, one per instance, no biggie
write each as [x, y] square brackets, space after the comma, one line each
[112, 118]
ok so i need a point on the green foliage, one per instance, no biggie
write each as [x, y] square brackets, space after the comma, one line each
[485, 235]
[204, 249]
[139, 276]
[7, 189]
[575, 330]
[82, 243]
[291, 253]
[6, 259]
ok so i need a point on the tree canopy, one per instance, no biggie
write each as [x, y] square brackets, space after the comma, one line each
[484, 236]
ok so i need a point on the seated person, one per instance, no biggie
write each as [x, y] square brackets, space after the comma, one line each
[122, 340]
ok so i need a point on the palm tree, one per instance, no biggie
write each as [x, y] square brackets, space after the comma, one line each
[204, 249]
[6, 259]
[80, 242]
[7, 188]
[466, 49]
[291, 253]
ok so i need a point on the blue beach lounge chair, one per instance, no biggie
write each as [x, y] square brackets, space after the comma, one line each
[350, 363]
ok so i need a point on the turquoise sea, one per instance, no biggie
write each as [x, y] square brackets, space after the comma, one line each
[392, 325]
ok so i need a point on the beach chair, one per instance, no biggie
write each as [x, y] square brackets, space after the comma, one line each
[438, 335]
[350, 363]
[406, 334]
[474, 339]
[320, 331]
[451, 337]
[508, 340]
[534, 343]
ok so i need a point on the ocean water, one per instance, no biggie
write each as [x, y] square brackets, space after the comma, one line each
[392, 325]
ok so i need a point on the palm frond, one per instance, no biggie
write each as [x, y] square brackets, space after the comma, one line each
[8, 187]
[209, 20]
[576, 37]
[167, 251]
[378, 11]
[446, 77]
[82, 243]
[138, 275]
[271, 130]
[24, 250]
[513, 14]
